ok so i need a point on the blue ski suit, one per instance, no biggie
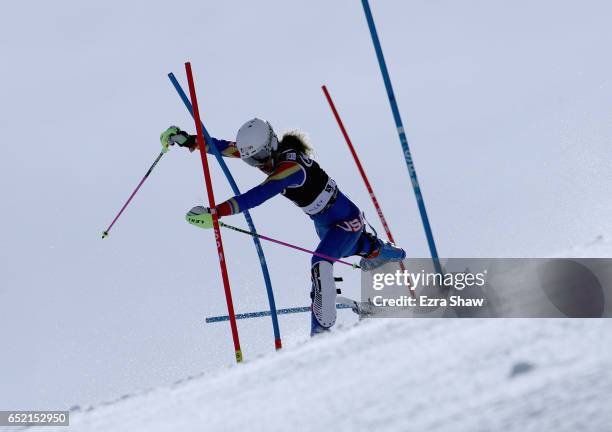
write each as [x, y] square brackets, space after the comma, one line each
[338, 221]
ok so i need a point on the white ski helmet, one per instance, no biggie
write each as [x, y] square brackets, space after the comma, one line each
[256, 141]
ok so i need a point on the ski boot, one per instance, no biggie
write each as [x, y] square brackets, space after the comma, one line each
[315, 327]
[383, 252]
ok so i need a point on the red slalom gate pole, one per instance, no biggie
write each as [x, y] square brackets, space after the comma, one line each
[359, 166]
[362, 172]
[211, 200]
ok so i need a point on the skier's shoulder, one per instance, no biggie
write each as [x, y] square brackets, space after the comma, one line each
[294, 155]
[285, 168]
[288, 155]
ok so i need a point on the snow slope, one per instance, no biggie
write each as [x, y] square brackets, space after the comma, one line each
[393, 375]
[396, 375]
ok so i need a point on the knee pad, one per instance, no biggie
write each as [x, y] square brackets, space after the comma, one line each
[323, 293]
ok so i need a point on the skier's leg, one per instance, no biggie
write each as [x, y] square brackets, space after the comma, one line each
[376, 252]
[323, 295]
[336, 243]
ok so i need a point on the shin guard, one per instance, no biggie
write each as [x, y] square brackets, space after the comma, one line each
[324, 293]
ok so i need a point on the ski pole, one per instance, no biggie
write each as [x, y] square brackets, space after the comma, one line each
[263, 237]
[105, 233]
[211, 199]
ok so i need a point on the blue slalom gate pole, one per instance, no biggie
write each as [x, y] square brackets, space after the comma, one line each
[402, 136]
[247, 216]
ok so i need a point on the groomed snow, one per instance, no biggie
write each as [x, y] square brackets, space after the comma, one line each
[395, 375]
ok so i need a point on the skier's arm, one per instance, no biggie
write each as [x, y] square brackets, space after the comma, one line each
[287, 174]
[174, 135]
[226, 148]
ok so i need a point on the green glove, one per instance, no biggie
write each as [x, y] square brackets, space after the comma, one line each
[200, 217]
[174, 135]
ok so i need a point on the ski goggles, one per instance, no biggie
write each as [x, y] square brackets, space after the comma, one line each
[259, 158]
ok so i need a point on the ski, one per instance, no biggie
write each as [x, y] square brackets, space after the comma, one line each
[361, 308]
[260, 314]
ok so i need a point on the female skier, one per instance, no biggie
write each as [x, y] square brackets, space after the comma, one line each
[291, 172]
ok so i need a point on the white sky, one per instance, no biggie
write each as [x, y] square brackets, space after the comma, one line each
[506, 106]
